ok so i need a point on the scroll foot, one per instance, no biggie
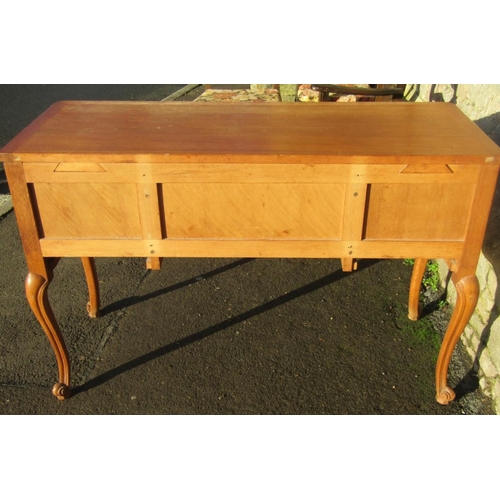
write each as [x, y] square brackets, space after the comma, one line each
[93, 285]
[467, 295]
[61, 391]
[36, 293]
[415, 284]
[445, 396]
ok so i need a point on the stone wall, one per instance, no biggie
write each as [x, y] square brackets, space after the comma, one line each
[481, 103]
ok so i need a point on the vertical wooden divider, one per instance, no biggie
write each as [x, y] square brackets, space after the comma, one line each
[149, 213]
[353, 219]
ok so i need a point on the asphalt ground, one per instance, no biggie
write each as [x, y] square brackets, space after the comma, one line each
[218, 336]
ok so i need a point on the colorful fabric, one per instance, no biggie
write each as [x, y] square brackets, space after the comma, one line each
[258, 95]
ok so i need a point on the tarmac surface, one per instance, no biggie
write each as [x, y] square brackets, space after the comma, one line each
[218, 336]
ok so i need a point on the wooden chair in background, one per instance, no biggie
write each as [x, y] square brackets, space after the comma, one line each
[319, 92]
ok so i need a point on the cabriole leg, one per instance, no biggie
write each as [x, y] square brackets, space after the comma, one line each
[467, 296]
[415, 285]
[36, 293]
[93, 285]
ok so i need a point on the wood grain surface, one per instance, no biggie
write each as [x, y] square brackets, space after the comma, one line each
[120, 131]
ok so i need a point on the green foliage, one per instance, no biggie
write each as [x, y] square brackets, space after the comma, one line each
[421, 333]
[442, 304]
[431, 276]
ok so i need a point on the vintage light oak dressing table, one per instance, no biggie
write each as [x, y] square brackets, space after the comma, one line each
[182, 179]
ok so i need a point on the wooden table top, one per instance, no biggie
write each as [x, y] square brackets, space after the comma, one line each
[117, 131]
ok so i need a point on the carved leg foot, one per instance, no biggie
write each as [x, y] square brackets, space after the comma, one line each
[467, 295]
[415, 284]
[36, 293]
[93, 285]
[61, 391]
[445, 396]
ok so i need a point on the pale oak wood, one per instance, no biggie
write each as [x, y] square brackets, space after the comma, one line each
[93, 286]
[476, 227]
[88, 210]
[464, 277]
[279, 248]
[149, 211]
[26, 221]
[185, 180]
[151, 223]
[155, 132]
[353, 219]
[415, 284]
[259, 173]
[79, 167]
[154, 263]
[418, 211]
[467, 296]
[266, 211]
[36, 293]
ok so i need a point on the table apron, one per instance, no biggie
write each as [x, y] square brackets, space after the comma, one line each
[403, 173]
[251, 248]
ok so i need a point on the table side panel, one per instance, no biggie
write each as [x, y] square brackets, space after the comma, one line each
[428, 212]
[256, 211]
[88, 210]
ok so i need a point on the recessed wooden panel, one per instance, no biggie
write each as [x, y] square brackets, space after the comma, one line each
[253, 211]
[418, 211]
[88, 210]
